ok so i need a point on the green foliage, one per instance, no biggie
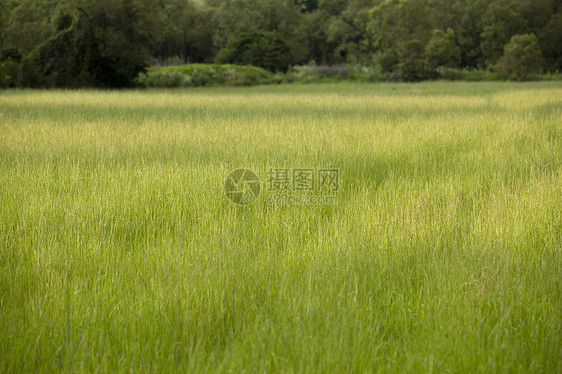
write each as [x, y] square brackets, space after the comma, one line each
[106, 43]
[11, 53]
[27, 25]
[185, 32]
[282, 17]
[400, 30]
[522, 57]
[500, 21]
[345, 32]
[333, 73]
[441, 50]
[54, 63]
[163, 79]
[550, 41]
[465, 20]
[194, 75]
[8, 72]
[264, 49]
[415, 69]
[307, 6]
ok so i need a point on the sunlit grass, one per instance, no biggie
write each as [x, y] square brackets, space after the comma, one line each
[119, 249]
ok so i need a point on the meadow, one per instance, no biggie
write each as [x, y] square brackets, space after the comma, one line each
[120, 251]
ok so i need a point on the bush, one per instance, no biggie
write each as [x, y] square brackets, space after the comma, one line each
[10, 59]
[257, 48]
[441, 50]
[95, 46]
[8, 73]
[164, 79]
[331, 73]
[522, 57]
[386, 62]
[194, 75]
[313, 73]
[415, 69]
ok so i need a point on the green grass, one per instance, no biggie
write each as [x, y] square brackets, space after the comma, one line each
[120, 252]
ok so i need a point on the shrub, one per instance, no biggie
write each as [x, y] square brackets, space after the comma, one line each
[8, 73]
[329, 73]
[10, 59]
[194, 75]
[164, 79]
[522, 57]
[415, 69]
[264, 49]
[441, 50]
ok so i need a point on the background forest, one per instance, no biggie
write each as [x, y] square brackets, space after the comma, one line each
[107, 43]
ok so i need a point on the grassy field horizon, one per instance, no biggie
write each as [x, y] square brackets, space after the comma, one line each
[120, 250]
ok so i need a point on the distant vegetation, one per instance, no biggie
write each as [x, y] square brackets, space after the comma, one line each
[107, 43]
[193, 75]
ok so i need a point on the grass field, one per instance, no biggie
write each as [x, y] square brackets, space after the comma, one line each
[119, 250]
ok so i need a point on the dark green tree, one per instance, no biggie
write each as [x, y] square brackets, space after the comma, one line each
[27, 25]
[317, 46]
[345, 32]
[251, 47]
[4, 14]
[106, 44]
[280, 16]
[550, 40]
[72, 43]
[444, 14]
[442, 50]
[536, 13]
[400, 30]
[522, 57]
[467, 27]
[499, 23]
[187, 32]
[307, 6]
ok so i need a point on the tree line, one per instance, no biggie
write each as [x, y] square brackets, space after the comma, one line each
[106, 43]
